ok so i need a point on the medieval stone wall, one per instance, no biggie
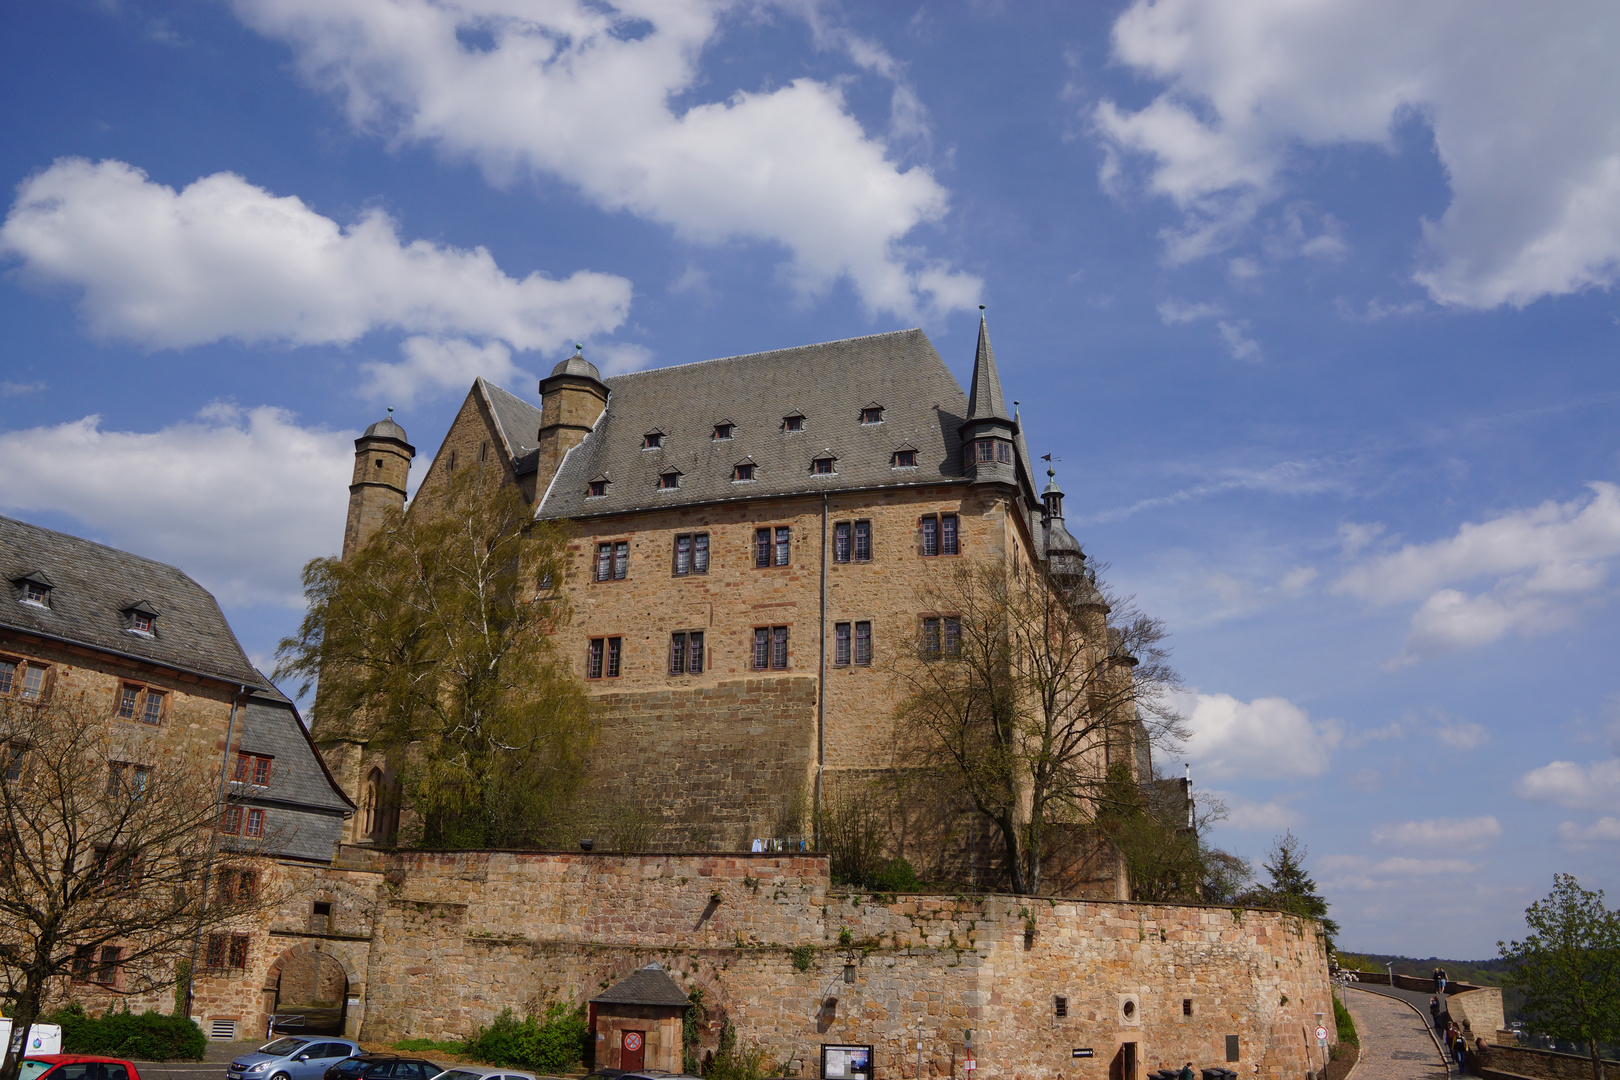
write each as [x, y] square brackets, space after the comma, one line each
[461, 936]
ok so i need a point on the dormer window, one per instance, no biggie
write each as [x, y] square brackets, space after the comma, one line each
[669, 481]
[597, 489]
[140, 618]
[724, 429]
[34, 588]
[653, 440]
[140, 622]
[904, 458]
[742, 471]
[872, 414]
[822, 466]
[793, 423]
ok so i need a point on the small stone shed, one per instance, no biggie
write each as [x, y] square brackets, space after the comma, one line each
[636, 1022]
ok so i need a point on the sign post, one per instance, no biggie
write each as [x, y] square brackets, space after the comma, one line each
[1321, 1043]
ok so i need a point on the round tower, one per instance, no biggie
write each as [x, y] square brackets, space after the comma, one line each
[382, 464]
[572, 398]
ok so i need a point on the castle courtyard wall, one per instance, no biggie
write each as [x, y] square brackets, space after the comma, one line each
[460, 936]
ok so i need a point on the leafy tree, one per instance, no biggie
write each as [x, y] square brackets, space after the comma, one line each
[1569, 966]
[111, 862]
[1021, 698]
[1291, 888]
[434, 643]
[1167, 857]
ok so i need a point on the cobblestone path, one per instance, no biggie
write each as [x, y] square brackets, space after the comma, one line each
[1395, 1042]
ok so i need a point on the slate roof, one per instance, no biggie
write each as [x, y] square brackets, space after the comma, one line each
[518, 421]
[649, 986]
[93, 585]
[270, 725]
[829, 384]
[985, 401]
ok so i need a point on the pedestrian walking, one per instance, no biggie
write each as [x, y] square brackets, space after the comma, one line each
[1434, 1011]
[1459, 1049]
[1186, 1072]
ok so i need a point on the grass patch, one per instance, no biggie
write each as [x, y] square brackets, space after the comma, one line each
[427, 1046]
[1346, 1026]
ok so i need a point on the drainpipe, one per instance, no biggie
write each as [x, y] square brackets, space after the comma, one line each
[821, 679]
[213, 843]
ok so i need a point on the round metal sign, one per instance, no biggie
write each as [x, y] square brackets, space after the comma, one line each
[632, 1040]
[1321, 1034]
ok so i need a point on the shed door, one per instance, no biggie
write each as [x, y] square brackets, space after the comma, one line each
[632, 1050]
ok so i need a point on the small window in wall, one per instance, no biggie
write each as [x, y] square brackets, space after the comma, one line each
[793, 423]
[30, 681]
[770, 648]
[691, 554]
[320, 917]
[872, 414]
[670, 481]
[1186, 1006]
[612, 560]
[941, 636]
[226, 953]
[852, 541]
[653, 440]
[723, 430]
[253, 769]
[36, 591]
[822, 466]
[905, 459]
[1232, 1048]
[603, 659]
[597, 489]
[686, 652]
[1060, 1006]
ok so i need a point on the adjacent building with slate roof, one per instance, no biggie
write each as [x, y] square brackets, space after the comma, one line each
[752, 537]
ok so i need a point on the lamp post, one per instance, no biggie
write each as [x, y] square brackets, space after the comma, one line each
[919, 1047]
[1391, 967]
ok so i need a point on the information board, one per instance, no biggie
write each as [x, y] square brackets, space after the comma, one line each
[843, 1062]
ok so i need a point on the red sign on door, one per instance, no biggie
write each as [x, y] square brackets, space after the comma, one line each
[632, 1040]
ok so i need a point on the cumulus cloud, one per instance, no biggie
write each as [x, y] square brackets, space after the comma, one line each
[1270, 816]
[1523, 103]
[238, 498]
[1266, 737]
[588, 94]
[1448, 834]
[1605, 830]
[222, 259]
[1579, 787]
[1548, 564]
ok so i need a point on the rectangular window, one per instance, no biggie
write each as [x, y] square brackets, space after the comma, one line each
[930, 636]
[822, 466]
[33, 687]
[743, 471]
[841, 542]
[841, 644]
[1004, 453]
[11, 758]
[107, 967]
[953, 636]
[129, 699]
[126, 780]
[783, 547]
[8, 676]
[1186, 1006]
[987, 450]
[603, 658]
[255, 824]
[1060, 1007]
[239, 952]
[686, 652]
[152, 707]
[238, 886]
[930, 535]
[252, 769]
[863, 541]
[947, 534]
[905, 459]
[226, 952]
[770, 648]
[762, 548]
[863, 643]
[614, 651]
[612, 560]
[82, 958]
[691, 554]
[597, 489]
[230, 822]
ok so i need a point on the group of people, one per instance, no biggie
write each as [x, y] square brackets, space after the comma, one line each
[1439, 980]
[1451, 1036]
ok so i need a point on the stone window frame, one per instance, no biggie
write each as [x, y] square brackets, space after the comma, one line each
[851, 536]
[773, 636]
[687, 653]
[937, 539]
[615, 570]
[604, 653]
[847, 643]
[16, 680]
[133, 702]
[934, 635]
[770, 539]
[692, 567]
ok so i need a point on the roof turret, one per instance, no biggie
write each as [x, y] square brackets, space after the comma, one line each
[386, 429]
[985, 401]
[577, 365]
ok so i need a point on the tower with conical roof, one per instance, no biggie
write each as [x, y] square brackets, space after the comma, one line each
[572, 398]
[382, 464]
[988, 433]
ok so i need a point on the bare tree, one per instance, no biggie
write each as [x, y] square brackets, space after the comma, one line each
[111, 866]
[1022, 695]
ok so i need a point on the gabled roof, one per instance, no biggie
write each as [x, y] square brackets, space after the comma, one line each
[828, 383]
[649, 986]
[91, 588]
[517, 421]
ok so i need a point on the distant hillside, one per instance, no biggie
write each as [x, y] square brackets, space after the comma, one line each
[1478, 972]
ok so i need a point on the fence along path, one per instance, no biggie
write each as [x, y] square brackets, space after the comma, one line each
[1395, 1040]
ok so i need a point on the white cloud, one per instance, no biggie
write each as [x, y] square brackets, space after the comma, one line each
[1270, 816]
[586, 93]
[1266, 737]
[1549, 564]
[1362, 874]
[1523, 103]
[1237, 339]
[1578, 787]
[439, 364]
[1605, 830]
[8, 388]
[1461, 734]
[237, 498]
[1451, 834]
[1174, 311]
[222, 259]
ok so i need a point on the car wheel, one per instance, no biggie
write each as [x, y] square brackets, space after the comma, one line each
[281, 1076]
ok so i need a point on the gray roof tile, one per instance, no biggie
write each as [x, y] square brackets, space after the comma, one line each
[93, 585]
[270, 725]
[649, 986]
[518, 421]
[828, 384]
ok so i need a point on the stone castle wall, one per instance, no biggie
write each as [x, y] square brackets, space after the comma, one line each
[461, 936]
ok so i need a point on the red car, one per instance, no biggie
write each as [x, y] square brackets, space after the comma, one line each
[76, 1067]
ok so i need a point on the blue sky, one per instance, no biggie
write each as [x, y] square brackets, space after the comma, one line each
[1312, 301]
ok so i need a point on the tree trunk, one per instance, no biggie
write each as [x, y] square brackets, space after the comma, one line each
[1592, 1044]
[24, 1015]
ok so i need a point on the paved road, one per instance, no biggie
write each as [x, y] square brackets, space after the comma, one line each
[212, 1067]
[1395, 1041]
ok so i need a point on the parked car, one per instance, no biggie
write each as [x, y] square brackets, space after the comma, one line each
[76, 1067]
[291, 1058]
[483, 1072]
[381, 1065]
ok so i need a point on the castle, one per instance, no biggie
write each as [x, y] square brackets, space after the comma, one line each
[750, 540]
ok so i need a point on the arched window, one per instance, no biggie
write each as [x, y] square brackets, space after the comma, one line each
[372, 817]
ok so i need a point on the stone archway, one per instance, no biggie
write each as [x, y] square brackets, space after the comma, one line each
[325, 977]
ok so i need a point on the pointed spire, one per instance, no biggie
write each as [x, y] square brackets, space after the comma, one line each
[984, 400]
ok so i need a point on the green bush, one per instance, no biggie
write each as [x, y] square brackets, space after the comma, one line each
[803, 957]
[1346, 1026]
[896, 876]
[424, 1046]
[148, 1036]
[555, 1044]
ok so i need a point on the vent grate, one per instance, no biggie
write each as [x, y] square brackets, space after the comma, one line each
[222, 1029]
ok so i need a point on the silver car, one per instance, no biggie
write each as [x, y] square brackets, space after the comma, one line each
[296, 1057]
[483, 1072]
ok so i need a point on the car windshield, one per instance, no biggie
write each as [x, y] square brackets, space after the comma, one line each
[31, 1069]
[460, 1074]
[282, 1047]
